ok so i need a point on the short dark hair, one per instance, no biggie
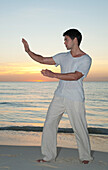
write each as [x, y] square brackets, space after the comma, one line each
[74, 33]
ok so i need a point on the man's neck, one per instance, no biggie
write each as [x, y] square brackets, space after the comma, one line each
[77, 52]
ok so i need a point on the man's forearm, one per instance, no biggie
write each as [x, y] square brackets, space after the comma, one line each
[67, 76]
[36, 57]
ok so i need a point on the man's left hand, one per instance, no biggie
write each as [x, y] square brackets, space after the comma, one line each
[48, 73]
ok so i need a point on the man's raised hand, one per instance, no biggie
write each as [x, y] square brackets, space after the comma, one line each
[26, 46]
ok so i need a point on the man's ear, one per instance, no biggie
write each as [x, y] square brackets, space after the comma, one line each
[75, 40]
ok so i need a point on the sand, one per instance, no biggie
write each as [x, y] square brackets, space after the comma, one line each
[20, 150]
[24, 158]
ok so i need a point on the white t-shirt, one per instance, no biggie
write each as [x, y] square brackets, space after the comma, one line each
[72, 90]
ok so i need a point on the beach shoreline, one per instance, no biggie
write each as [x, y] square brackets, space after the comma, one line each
[66, 140]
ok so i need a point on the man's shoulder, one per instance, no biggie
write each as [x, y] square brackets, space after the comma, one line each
[86, 57]
[62, 53]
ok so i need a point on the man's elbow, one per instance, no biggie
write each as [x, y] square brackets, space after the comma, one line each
[78, 75]
[42, 60]
[48, 60]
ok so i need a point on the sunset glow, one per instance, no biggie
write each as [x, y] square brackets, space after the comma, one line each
[29, 72]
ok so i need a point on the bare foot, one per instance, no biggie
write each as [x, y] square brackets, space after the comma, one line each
[85, 162]
[41, 161]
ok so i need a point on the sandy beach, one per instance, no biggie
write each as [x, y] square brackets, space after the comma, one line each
[24, 158]
[20, 150]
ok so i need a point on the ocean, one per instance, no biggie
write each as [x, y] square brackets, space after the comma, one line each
[23, 106]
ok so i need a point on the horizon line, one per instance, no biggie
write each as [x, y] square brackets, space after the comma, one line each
[54, 81]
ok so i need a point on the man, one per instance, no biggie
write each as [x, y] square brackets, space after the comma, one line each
[69, 95]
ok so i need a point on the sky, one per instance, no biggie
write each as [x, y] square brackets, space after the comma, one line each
[42, 23]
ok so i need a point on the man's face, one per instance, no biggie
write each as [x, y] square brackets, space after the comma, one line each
[68, 42]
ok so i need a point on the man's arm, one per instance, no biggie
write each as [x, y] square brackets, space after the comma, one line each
[36, 57]
[63, 76]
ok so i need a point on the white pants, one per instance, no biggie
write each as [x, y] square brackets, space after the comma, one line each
[76, 113]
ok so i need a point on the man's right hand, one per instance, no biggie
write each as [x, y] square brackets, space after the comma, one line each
[26, 46]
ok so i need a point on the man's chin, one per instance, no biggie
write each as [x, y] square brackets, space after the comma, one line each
[67, 48]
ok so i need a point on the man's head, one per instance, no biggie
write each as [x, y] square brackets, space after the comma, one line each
[73, 33]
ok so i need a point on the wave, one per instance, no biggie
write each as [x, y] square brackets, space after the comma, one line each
[17, 104]
[91, 130]
[5, 103]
